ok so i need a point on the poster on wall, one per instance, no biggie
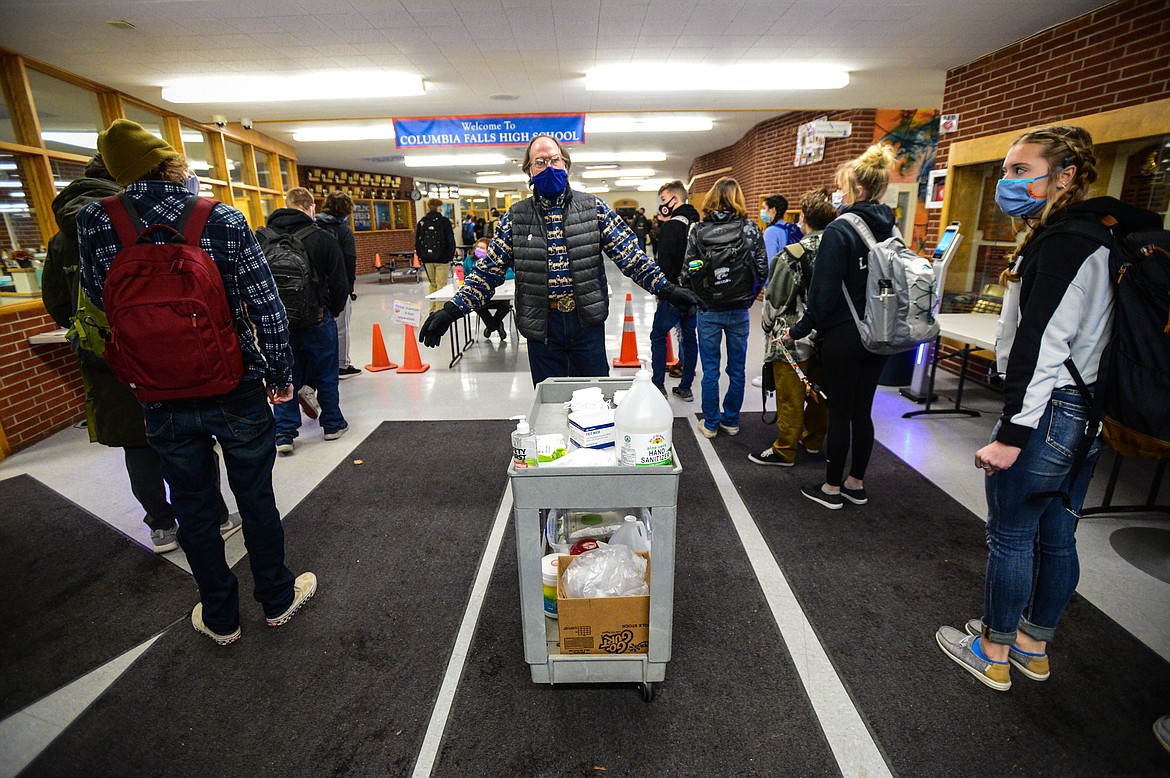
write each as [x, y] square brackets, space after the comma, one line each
[810, 147]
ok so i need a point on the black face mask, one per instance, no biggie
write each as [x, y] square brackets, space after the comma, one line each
[667, 209]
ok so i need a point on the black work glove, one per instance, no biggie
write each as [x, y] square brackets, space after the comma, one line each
[681, 298]
[432, 331]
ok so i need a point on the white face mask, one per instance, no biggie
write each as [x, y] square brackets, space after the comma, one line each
[838, 200]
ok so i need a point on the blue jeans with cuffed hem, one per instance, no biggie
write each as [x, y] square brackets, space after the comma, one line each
[666, 316]
[183, 433]
[714, 327]
[572, 349]
[314, 363]
[1032, 566]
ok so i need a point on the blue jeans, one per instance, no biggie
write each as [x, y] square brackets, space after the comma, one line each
[665, 317]
[183, 434]
[314, 363]
[571, 349]
[1032, 567]
[713, 325]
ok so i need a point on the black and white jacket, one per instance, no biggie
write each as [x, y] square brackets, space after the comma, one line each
[1062, 307]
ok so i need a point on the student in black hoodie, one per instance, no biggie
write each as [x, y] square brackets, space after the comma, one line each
[675, 216]
[850, 371]
[334, 219]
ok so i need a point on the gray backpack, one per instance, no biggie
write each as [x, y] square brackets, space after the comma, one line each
[901, 296]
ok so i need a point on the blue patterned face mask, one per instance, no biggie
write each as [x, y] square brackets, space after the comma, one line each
[551, 181]
[1014, 196]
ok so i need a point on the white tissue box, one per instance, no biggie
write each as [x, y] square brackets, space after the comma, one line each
[591, 429]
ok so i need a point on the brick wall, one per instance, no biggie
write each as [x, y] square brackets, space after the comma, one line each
[369, 243]
[40, 386]
[761, 161]
[1113, 57]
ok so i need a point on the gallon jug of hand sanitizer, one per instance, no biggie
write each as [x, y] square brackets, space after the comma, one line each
[632, 533]
[642, 425]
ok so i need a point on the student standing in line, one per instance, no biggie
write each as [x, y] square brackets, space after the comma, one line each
[784, 300]
[183, 432]
[1061, 308]
[851, 372]
[334, 219]
[677, 216]
[434, 243]
[778, 233]
[726, 265]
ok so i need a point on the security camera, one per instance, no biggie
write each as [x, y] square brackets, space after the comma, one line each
[247, 123]
[220, 121]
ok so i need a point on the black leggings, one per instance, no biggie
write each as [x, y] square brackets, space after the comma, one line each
[494, 313]
[851, 377]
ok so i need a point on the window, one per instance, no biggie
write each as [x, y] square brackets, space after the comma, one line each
[65, 172]
[7, 133]
[18, 223]
[285, 175]
[69, 115]
[268, 204]
[263, 174]
[236, 162]
[197, 146]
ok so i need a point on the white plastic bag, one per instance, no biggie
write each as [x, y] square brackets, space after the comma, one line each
[613, 571]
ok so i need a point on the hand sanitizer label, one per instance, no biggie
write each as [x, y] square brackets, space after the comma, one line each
[641, 450]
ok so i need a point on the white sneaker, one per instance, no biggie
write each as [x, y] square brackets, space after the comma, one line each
[304, 587]
[308, 399]
[758, 381]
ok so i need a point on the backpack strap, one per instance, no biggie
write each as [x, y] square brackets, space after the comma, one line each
[193, 219]
[860, 227]
[305, 232]
[124, 217]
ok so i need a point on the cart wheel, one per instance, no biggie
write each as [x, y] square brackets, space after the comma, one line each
[647, 690]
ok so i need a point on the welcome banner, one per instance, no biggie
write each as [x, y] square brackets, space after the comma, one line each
[446, 131]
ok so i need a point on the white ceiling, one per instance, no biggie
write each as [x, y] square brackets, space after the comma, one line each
[897, 54]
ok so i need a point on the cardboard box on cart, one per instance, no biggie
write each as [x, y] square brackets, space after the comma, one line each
[602, 625]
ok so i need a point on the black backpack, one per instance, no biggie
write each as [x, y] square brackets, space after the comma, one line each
[1133, 382]
[726, 277]
[428, 242]
[296, 280]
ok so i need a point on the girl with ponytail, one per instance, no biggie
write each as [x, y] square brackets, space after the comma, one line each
[1058, 308]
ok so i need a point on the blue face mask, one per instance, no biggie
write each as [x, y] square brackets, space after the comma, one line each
[551, 181]
[764, 216]
[1015, 198]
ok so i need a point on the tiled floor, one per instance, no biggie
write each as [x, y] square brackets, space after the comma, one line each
[492, 382]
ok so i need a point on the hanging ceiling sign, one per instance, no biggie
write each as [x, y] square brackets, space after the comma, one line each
[447, 131]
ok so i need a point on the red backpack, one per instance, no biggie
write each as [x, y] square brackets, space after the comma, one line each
[173, 335]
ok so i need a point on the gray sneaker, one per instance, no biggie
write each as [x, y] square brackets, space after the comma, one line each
[337, 433]
[164, 540]
[1034, 666]
[1162, 731]
[307, 396]
[231, 525]
[963, 650]
[303, 588]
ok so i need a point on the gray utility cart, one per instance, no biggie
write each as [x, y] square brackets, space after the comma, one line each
[536, 491]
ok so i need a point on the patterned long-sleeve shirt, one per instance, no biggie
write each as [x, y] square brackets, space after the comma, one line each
[617, 242]
[251, 291]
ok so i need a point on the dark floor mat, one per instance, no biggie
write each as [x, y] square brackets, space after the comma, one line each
[76, 594]
[731, 704]
[876, 582]
[347, 686]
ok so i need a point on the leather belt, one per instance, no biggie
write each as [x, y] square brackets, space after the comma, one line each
[562, 304]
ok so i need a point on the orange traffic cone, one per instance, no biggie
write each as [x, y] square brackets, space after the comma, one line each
[671, 359]
[410, 361]
[381, 359]
[377, 260]
[629, 355]
[414, 263]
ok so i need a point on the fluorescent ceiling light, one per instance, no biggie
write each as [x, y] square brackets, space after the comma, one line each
[16, 193]
[10, 184]
[488, 173]
[501, 179]
[596, 189]
[472, 192]
[595, 125]
[629, 183]
[7, 166]
[600, 167]
[618, 156]
[629, 172]
[451, 160]
[342, 132]
[198, 164]
[633, 77]
[82, 140]
[323, 85]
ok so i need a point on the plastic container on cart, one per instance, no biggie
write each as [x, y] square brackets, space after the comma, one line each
[536, 491]
[548, 574]
[563, 528]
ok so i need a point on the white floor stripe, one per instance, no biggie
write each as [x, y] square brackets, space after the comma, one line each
[438, 723]
[853, 745]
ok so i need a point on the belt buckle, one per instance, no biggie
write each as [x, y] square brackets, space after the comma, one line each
[565, 304]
